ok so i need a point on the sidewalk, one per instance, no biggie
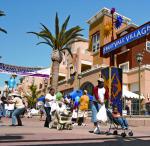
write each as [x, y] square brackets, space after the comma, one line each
[33, 133]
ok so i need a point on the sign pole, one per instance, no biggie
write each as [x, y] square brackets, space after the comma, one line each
[112, 37]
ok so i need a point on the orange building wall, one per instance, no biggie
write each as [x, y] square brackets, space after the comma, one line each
[98, 26]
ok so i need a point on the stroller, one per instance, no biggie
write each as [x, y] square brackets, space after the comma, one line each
[61, 118]
[116, 126]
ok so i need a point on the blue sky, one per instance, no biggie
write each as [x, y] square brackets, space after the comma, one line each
[19, 48]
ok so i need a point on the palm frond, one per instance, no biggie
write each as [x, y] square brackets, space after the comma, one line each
[68, 49]
[48, 43]
[44, 36]
[71, 34]
[46, 32]
[2, 13]
[35, 33]
[3, 30]
[56, 27]
[64, 26]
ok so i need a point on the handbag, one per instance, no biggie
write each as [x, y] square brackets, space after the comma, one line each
[102, 115]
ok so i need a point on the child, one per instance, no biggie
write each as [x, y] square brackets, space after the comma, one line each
[83, 109]
[119, 119]
[75, 116]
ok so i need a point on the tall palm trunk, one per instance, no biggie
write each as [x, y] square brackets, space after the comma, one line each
[56, 60]
[55, 75]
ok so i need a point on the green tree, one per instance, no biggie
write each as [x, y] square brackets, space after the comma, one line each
[1, 29]
[59, 43]
[33, 96]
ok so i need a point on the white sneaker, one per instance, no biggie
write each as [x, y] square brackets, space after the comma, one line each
[75, 124]
[97, 130]
[83, 124]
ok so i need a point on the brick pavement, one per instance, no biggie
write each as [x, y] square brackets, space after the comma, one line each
[33, 133]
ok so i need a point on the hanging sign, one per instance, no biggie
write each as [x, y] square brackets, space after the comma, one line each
[130, 37]
[23, 71]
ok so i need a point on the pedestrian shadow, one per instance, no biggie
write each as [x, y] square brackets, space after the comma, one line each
[107, 141]
[10, 137]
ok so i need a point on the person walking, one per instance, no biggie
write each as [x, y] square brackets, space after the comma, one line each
[50, 98]
[19, 108]
[100, 93]
[83, 108]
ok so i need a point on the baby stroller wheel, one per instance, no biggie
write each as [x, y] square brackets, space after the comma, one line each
[51, 125]
[59, 127]
[115, 132]
[123, 134]
[130, 133]
[69, 127]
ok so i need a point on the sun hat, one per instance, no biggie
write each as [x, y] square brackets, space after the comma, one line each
[85, 91]
[100, 80]
[15, 93]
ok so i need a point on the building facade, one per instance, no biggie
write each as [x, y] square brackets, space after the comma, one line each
[83, 70]
[125, 59]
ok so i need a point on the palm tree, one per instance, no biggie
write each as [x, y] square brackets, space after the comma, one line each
[1, 29]
[33, 96]
[59, 43]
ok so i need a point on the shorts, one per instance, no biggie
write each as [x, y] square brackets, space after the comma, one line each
[83, 113]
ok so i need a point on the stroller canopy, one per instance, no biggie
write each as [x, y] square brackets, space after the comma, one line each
[42, 98]
[75, 93]
[78, 93]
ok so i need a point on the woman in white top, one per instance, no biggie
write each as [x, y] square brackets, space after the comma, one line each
[50, 98]
[19, 108]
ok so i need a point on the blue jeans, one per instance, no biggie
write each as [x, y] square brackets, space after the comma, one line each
[48, 116]
[95, 109]
[122, 121]
[9, 113]
[16, 116]
[1, 113]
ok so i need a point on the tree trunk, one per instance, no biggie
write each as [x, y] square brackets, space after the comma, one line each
[56, 60]
[55, 75]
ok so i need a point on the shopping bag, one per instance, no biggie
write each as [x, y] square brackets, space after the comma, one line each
[53, 107]
[102, 115]
[75, 114]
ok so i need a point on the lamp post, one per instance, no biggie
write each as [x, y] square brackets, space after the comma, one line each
[79, 78]
[139, 58]
[112, 37]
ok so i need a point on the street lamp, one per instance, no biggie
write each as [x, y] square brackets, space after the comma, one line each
[112, 37]
[139, 58]
[79, 78]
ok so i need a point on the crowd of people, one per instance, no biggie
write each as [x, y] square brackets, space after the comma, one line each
[13, 106]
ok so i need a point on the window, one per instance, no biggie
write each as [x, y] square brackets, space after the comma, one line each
[124, 66]
[134, 87]
[148, 46]
[96, 42]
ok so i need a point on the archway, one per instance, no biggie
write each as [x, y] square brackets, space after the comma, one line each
[87, 86]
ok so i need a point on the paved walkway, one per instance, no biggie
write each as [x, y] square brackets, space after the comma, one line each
[33, 133]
